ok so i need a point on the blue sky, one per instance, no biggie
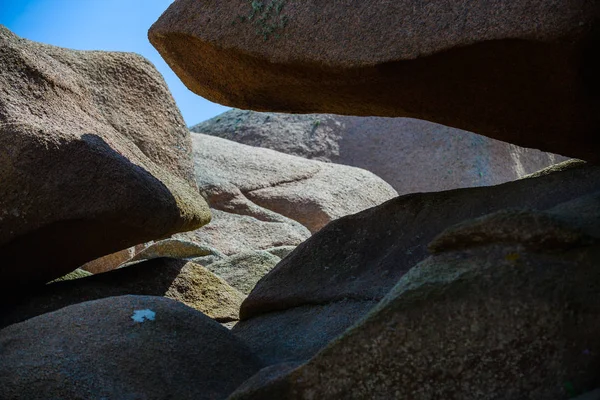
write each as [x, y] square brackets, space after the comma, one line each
[118, 25]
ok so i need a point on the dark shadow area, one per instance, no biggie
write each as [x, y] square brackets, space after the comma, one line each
[151, 278]
[590, 66]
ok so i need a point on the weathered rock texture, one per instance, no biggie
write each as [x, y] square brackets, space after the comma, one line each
[361, 260]
[357, 259]
[173, 248]
[127, 347]
[411, 155]
[298, 333]
[112, 261]
[514, 315]
[186, 282]
[94, 158]
[522, 72]
[78, 273]
[244, 269]
[246, 180]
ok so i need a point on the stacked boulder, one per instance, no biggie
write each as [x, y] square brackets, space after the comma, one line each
[411, 155]
[522, 72]
[91, 145]
[473, 293]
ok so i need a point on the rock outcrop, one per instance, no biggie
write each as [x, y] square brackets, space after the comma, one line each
[234, 231]
[522, 72]
[334, 277]
[411, 155]
[126, 347]
[94, 158]
[244, 269]
[487, 292]
[187, 282]
[246, 180]
[513, 315]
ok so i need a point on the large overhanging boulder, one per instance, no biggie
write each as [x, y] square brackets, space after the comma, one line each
[94, 158]
[518, 71]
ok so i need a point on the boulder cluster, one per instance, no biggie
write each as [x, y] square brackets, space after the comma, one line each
[374, 250]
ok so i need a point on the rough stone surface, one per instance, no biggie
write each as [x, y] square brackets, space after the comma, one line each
[493, 320]
[230, 233]
[112, 261]
[281, 251]
[362, 256]
[267, 375]
[522, 72]
[298, 333]
[244, 269]
[594, 395]
[186, 282]
[531, 230]
[97, 350]
[411, 155]
[247, 180]
[334, 278]
[173, 248]
[114, 152]
[78, 273]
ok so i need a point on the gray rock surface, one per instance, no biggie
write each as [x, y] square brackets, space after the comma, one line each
[361, 256]
[112, 261]
[244, 269]
[518, 71]
[298, 333]
[174, 248]
[411, 155]
[281, 251]
[241, 179]
[233, 232]
[331, 280]
[90, 162]
[126, 347]
[186, 282]
[513, 316]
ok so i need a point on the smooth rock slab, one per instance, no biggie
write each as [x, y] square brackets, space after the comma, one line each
[94, 158]
[242, 179]
[127, 347]
[231, 233]
[173, 248]
[517, 71]
[411, 155]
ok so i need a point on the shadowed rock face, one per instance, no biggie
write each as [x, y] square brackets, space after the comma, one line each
[521, 72]
[335, 277]
[362, 256]
[411, 155]
[124, 347]
[187, 282]
[338, 275]
[94, 158]
[505, 308]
